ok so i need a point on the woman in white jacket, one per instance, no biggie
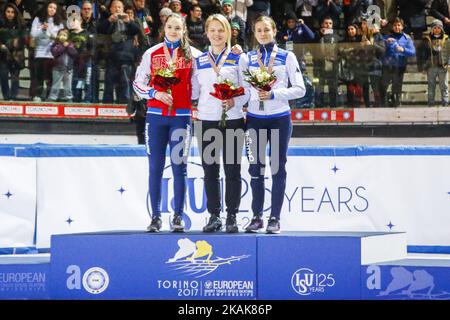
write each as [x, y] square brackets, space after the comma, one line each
[270, 121]
[214, 66]
[44, 30]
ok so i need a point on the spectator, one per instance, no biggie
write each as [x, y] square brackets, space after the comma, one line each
[24, 5]
[175, 6]
[64, 54]
[230, 14]
[294, 31]
[44, 29]
[164, 13]
[121, 59]
[12, 31]
[434, 56]
[236, 36]
[146, 24]
[350, 65]
[373, 47]
[89, 24]
[440, 10]
[82, 67]
[241, 8]
[354, 10]
[208, 7]
[259, 8]
[303, 9]
[399, 47]
[331, 9]
[413, 13]
[325, 63]
[196, 28]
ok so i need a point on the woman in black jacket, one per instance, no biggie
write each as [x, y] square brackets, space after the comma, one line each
[12, 31]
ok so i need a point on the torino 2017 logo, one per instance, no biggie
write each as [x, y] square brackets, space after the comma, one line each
[305, 281]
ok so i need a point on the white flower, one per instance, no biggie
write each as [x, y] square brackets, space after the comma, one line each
[260, 77]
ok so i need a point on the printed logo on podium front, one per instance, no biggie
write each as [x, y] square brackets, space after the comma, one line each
[196, 258]
[95, 280]
[306, 282]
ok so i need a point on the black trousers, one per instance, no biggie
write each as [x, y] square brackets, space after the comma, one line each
[212, 140]
[394, 75]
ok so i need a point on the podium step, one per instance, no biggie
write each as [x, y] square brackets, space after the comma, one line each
[418, 277]
[293, 265]
[24, 277]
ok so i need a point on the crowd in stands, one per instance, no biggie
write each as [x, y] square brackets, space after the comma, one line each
[66, 44]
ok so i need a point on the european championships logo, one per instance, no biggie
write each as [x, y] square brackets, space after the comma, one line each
[196, 258]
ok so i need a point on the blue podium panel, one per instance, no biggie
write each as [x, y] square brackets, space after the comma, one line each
[24, 280]
[309, 267]
[410, 279]
[136, 265]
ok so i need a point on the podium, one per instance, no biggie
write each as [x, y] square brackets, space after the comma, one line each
[293, 265]
[198, 266]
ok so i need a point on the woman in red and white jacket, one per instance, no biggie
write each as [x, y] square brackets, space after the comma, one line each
[168, 119]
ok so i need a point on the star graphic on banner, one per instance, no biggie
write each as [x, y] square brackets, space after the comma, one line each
[335, 169]
[121, 190]
[8, 194]
[390, 225]
[69, 221]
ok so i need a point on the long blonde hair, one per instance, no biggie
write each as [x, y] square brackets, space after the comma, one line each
[225, 24]
[185, 41]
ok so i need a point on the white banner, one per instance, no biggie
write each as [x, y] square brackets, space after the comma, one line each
[324, 193]
[17, 201]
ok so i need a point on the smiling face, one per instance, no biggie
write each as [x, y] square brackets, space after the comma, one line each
[264, 32]
[117, 7]
[397, 27]
[174, 29]
[437, 31]
[216, 34]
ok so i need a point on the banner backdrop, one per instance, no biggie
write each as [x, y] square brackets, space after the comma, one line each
[17, 200]
[328, 189]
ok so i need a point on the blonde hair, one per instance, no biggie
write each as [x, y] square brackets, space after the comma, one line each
[185, 42]
[225, 24]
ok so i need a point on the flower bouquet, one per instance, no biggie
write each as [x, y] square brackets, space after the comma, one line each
[166, 78]
[261, 80]
[224, 91]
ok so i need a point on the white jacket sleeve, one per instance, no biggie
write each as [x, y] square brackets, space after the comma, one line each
[54, 29]
[241, 100]
[195, 82]
[36, 30]
[297, 89]
[243, 66]
[142, 78]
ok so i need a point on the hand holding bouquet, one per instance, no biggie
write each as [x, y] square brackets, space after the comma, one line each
[166, 78]
[261, 80]
[224, 91]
